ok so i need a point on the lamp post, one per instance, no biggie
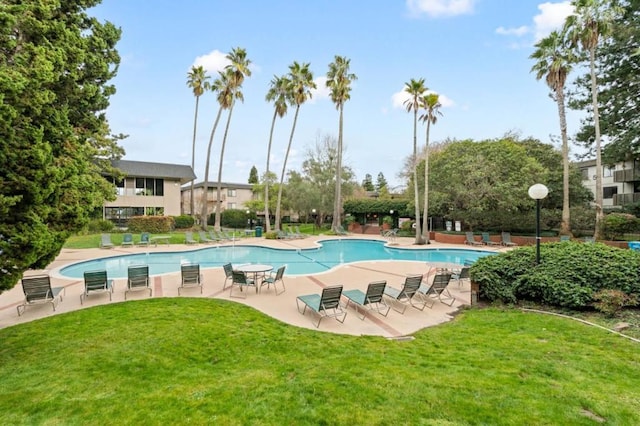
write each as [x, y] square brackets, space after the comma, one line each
[248, 219]
[538, 192]
[313, 213]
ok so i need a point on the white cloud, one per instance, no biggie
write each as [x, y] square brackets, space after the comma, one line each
[437, 8]
[517, 31]
[321, 91]
[398, 99]
[551, 17]
[213, 61]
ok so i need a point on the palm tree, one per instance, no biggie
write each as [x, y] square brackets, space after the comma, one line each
[554, 64]
[236, 71]
[592, 19]
[431, 104]
[197, 81]
[416, 89]
[278, 93]
[339, 81]
[300, 90]
[221, 86]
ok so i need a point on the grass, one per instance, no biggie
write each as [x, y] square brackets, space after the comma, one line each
[206, 361]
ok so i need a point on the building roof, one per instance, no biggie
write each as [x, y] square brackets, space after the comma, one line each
[156, 170]
[585, 163]
[226, 185]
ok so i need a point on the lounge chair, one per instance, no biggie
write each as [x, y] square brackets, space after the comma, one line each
[506, 240]
[405, 295]
[144, 239]
[229, 237]
[127, 240]
[215, 237]
[188, 238]
[565, 238]
[228, 274]
[137, 279]
[471, 240]
[274, 278]
[486, 240]
[281, 235]
[96, 281]
[105, 241]
[191, 277]
[373, 299]
[204, 238]
[326, 305]
[461, 275]
[240, 280]
[438, 290]
[340, 231]
[37, 290]
[298, 233]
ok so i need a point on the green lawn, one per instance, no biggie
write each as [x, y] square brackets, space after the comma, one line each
[206, 361]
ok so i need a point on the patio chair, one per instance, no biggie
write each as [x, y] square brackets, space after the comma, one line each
[461, 275]
[38, 290]
[438, 290]
[340, 230]
[105, 241]
[326, 305]
[188, 238]
[274, 278]
[298, 233]
[281, 235]
[191, 277]
[215, 237]
[565, 238]
[486, 240]
[204, 238]
[373, 299]
[144, 239]
[137, 279]
[471, 240]
[506, 240]
[240, 280]
[228, 274]
[127, 240]
[229, 237]
[96, 281]
[405, 295]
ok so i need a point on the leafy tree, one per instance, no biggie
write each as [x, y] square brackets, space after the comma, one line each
[416, 89]
[237, 71]
[55, 64]
[300, 90]
[253, 175]
[197, 80]
[381, 182]
[591, 21]
[431, 104]
[278, 94]
[367, 183]
[553, 62]
[339, 81]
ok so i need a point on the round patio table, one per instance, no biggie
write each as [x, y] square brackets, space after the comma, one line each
[255, 269]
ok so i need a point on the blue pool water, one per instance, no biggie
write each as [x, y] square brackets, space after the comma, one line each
[299, 262]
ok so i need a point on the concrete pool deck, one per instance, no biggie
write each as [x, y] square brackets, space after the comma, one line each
[282, 307]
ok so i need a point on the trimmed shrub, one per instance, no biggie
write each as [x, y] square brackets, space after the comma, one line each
[99, 225]
[610, 302]
[271, 235]
[615, 225]
[569, 274]
[183, 221]
[231, 218]
[152, 224]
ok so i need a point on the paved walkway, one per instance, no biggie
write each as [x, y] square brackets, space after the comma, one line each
[282, 307]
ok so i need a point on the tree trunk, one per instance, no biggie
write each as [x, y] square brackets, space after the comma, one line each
[565, 225]
[596, 123]
[284, 168]
[219, 192]
[425, 219]
[419, 239]
[205, 189]
[192, 208]
[267, 218]
[337, 203]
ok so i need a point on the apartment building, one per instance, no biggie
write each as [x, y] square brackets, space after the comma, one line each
[620, 182]
[233, 196]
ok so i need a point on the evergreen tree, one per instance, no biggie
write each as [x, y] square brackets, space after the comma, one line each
[253, 175]
[367, 183]
[381, 182]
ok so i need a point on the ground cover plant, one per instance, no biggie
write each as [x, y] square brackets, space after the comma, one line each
[206, 361]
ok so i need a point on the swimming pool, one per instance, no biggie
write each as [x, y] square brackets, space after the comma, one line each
[330, 254]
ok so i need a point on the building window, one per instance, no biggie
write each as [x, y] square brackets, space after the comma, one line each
[608, 171]
[149, 186]
[119, 186]
[231, 192]
[585, 173]
[609, 191]
[154, 211]
[231, 206]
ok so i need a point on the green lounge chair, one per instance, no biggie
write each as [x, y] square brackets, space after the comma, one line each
[38, 290]
[273, 279]
[506, 240]
[191, 277]
[405, 295]
[96, 281]
[373, 299]
[204, 238]
[326, 305]
[144, 239]
[105, 241]
[138, 279]
[438, 290]
[240, 280]
[486, 240]
[471, 240]
[127, 240]
[188, 238]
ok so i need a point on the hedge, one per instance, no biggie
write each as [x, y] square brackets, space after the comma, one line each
[153, 224]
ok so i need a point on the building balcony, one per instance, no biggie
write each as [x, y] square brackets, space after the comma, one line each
[626, 175]
[623, 199]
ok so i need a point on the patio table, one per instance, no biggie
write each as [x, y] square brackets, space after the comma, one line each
[255, 269]
[160, 239]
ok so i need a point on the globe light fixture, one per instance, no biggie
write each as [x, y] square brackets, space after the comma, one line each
[538, 192]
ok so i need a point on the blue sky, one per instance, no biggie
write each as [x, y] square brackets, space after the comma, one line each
[474, 53]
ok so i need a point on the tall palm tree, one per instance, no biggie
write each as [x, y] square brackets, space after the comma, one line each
[197, 80]
[431, 104]
[222, 87]
[592, 19]
[416, 89]
[300, 90]
[339, 81]
[237, 70]
[278, 93]
[553, 62]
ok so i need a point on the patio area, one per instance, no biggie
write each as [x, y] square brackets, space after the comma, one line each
[282, 307]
